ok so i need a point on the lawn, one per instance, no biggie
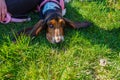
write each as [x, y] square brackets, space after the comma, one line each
[86, 54]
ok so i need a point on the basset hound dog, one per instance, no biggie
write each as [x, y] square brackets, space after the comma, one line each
[54, 22]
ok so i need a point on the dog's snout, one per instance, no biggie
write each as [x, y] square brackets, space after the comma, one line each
[58, 39]
[58, 36]
[55, 34]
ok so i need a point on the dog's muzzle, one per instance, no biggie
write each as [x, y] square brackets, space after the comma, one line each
[57, 39]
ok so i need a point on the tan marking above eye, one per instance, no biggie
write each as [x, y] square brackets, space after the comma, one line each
[61, 21]
[53, 22]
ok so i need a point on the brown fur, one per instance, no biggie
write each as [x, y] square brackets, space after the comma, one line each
[54, 24]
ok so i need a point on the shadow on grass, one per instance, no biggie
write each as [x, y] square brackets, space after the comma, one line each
[94, 34]
[10, 28]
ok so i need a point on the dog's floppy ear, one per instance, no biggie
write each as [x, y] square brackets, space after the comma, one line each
[35, 30]
[77, 25]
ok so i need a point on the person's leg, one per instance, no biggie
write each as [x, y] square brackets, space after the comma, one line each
[21, 7]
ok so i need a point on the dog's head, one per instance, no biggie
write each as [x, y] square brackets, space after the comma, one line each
[54, 25]
[55, 28]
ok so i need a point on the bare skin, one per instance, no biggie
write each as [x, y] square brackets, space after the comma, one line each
[3, 10]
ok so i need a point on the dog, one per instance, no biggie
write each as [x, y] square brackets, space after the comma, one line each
[54, 23]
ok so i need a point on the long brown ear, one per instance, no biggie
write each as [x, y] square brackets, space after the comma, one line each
[77, 25]
[35, 30]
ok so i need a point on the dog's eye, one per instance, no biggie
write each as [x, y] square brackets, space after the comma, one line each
[51, 26]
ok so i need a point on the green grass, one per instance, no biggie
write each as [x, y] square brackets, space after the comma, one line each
[77, 58]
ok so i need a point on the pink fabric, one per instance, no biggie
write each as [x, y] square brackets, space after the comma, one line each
[10, 19]
[20, 20]
[7, 19]
[61, 3]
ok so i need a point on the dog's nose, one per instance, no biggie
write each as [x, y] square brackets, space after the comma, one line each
[59, 39]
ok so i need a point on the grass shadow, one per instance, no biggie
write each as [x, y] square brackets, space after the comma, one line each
[95, 35]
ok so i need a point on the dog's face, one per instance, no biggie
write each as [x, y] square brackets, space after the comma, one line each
[55, 30]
